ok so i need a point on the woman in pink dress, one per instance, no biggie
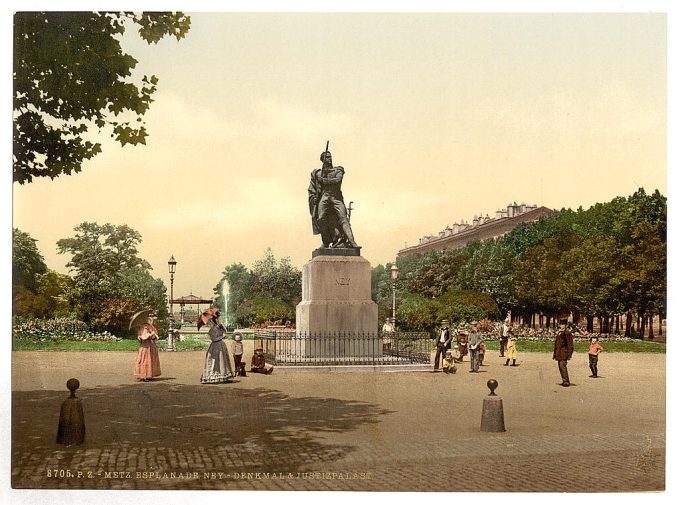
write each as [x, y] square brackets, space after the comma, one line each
[148, 365]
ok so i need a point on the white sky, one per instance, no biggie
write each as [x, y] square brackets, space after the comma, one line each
[435, 117]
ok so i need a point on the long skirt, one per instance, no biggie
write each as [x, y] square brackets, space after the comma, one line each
[148, 363]
[217, 368]
[511, 351]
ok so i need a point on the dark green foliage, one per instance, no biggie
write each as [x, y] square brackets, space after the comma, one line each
[608, 259]
[270, 291]
[111, 281]
[71, 76]
[262, 309]
[27, 262]
[416, 313]
[464, 306]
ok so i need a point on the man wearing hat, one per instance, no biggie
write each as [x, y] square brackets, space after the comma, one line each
[443, 343]
[474, 343]
[564, 348]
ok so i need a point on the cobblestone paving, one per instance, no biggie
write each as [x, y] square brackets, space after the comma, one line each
[340, 432]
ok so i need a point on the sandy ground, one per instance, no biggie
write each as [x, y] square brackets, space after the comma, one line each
[386, 427]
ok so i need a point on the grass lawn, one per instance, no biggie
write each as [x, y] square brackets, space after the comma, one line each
[23, 344]
[192, 343]
[548, 346]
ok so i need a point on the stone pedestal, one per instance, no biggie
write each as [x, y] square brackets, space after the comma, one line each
[336, 316]
[492, 415]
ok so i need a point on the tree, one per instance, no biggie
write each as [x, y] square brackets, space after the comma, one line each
[240, 282]
[135, 289]
[280, 280]
[262, 309]
[465, 305]
[101, 252]
[270, 291]
[417, 313]
[72, 76]
[432, 274]
[489, 270]
[27, 262]
[111, 281]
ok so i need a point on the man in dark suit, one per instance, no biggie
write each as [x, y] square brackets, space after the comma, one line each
[443, 343]
[564, 348]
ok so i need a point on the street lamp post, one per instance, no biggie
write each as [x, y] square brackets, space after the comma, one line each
[394, 272]
[172, 265]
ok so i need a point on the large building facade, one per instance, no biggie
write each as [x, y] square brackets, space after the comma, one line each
[481, 228]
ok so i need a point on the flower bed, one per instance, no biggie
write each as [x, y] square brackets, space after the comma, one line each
[491, 331]
[58, 330]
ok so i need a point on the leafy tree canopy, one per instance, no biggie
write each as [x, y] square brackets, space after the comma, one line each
[71, 76]
[100, 252]
[27, 262]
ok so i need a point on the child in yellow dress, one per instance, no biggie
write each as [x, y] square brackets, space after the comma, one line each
[511, 350]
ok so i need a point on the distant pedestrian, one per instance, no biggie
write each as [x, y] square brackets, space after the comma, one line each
[511, 351]
[237, 351]
[482, 352]
[449, 364]
[473, 346]
[148, 363]
[443, 343]
[593, 354]
[461, 342]
[505, 328]
[564, 348]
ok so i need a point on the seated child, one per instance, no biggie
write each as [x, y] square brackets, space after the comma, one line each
[258, 363]
[449, 365]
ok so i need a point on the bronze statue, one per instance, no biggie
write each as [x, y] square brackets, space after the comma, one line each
[327, 207]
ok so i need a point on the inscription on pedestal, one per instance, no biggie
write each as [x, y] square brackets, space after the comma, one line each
[342, 281]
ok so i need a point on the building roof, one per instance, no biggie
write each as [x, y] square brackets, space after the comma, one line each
[191, 299]
[489, 228]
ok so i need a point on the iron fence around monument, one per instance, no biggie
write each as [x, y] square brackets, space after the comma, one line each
[285, 347]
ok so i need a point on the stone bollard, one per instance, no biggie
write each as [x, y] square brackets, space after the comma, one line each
[71, 429]
[492, 410]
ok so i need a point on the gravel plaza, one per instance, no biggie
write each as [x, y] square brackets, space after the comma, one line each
[356, 431]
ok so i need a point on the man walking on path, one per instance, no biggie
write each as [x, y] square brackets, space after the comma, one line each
[473, 345]
[504, 337]
[443, 343]
[564, 348]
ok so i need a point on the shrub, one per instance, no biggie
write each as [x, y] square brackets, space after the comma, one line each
[465, 306]
[262, 308]
[416, 313]
[62, 329]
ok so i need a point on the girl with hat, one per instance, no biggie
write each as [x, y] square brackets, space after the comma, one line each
[511, 350]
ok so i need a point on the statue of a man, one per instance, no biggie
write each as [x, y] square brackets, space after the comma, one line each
[327, 207]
